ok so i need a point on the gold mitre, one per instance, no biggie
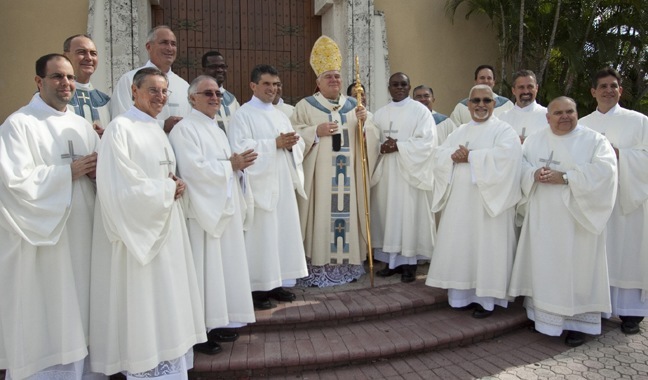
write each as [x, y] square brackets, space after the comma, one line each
[325, 56]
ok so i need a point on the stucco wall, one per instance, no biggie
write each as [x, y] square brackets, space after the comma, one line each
[426, 45]
[29, 30]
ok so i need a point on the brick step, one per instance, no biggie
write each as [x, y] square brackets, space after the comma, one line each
[319, 308]
[399, 326]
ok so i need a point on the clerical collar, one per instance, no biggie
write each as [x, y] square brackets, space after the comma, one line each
[257, 103]
[280, 102]
[151, 64]
[138, 114]
[40, 103]
[402, 102]
[528, 108]
[612, 110]
[204, 117]
[84, 86]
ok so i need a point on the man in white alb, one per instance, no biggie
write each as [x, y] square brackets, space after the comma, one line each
[403, 230]
[569, 186]
[527, 116]
[484, 74]
[146, 313]
[87, 102]
[627, 229]
[215, 209]
[444, 125]
[214, 65]
[273, 241]
[162, 49]
[47, 199]
[477, 185]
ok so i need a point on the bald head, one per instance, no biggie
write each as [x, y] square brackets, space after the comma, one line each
[562, 115]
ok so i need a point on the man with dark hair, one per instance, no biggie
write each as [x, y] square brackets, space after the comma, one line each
[527, 116]
[214, 65]
[162, 49]
[273, 241]
[148, 314]
[403, 229]
[89, 103]
[444, 125]
[568, 185]
[47, 198]
[627, 229]
[484, 74]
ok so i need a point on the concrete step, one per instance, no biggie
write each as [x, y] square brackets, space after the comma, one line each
[326, 330]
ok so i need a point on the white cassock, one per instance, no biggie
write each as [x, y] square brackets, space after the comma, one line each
[627, 229]
[287, 109]
[215, 209]
[476, 240]
[333, 215]
[91, 104]
[402, 224]
[560, 263]
[46, 235]
[229, 105]
[527, 120]
[177, 103]
[444, 126]
[461, 114]
[273, 240]
[148, 312]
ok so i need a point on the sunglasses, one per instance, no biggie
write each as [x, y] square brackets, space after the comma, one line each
[480, 100]
[210, 93]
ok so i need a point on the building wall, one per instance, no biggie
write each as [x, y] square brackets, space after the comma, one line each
[29, 30]
[425, 44]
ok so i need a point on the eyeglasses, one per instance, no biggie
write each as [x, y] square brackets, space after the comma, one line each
[210, 93]
[480, 100]
[219, 66]
[60, 77]
[159, 91]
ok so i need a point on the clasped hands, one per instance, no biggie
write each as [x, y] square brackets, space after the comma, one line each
[546, 175]
[460, 155]
[389, 146]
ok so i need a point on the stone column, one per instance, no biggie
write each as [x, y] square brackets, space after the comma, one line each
[118, 28]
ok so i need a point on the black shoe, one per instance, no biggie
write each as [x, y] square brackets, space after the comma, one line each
[261, 301]
[470, 306]
[208, 348]
[574, 338]
[409, 273]
[386, 272]
[630, 327]
[281, 294]
[222, 335]
[481, 313]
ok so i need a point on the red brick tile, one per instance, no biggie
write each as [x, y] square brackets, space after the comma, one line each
[306, 352]
[256, 355]
[322, 350]
[272, 354]
[289, 355]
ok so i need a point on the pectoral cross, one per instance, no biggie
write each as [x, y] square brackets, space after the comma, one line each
[83, 97]
[71, 152]
[467, 142]
[168, 161]
[390, 130]
[226, 158]
[523, 132]
[549, 160]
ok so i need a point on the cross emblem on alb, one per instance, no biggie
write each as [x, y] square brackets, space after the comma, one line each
[549, 160]
[390, 130]
[71, 152]
[168, 161]
[523, 132]
[84, 97]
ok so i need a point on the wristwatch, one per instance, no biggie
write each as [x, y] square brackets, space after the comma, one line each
[565, 179]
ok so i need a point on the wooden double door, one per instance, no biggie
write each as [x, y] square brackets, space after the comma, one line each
[247, 32]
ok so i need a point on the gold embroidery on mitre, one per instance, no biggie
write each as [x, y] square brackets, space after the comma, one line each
[325, 56]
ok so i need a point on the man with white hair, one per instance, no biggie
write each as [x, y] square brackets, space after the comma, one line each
[477, 185]
[214, 211]
[162, 50]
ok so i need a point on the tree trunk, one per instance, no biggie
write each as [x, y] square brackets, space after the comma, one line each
[545, 61]
[518, 61]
